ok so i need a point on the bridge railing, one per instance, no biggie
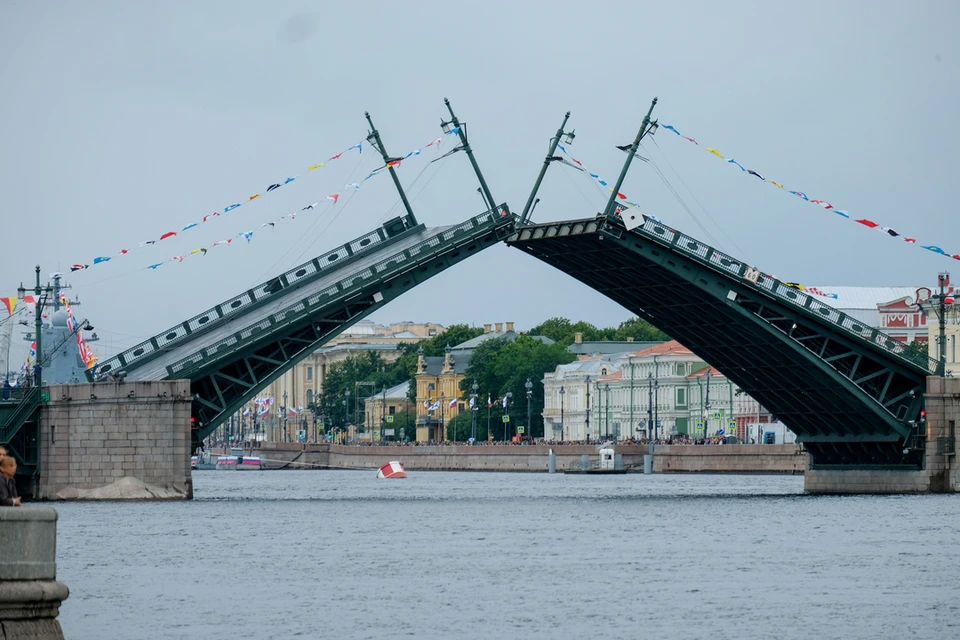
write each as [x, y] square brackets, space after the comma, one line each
[224, 311]
[754, 278]
[389, 267]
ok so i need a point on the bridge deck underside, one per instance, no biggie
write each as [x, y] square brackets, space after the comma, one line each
[835, 423]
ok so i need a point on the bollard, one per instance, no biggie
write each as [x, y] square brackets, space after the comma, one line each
[552, 462]
[584, 462]
[30, 595]
[647, 464]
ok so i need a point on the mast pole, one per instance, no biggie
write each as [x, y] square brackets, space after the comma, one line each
[462, 132]
[374, 138]
[611, 203]
[543, 170]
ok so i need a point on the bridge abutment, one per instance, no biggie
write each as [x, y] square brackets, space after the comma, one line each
[941, 472]
[116, 441]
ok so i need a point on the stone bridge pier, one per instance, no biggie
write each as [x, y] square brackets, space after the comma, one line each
[941, 472]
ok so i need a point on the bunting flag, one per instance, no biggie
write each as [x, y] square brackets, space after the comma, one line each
[247, 235]
[870, 224]
[334, 198]
[86, 354]
[10, 303]
[272, 187]
[603, 183]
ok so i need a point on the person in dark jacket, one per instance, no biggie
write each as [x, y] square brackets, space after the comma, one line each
[8, 486]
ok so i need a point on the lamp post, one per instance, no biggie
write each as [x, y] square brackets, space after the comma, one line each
[650, 433]
[461, 131]
[606, 413]
[443, 426]
[562, 393]
[473, 411]
[587, 427]
[38, 291]
[346, 409]
[286, 434]
[936, 303]
[706, 409]
[529, 387]
[656, 407]
[546, 163]
[506, 403]
[609, 210]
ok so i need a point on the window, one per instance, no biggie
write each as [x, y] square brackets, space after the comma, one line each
[681, 397]
[309, 396]
[309, 373]
[393, 409]
[681, 369]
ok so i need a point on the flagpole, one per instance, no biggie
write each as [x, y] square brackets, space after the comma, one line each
[374, 139]
[462, 133]
[543, 170]
[608, 211]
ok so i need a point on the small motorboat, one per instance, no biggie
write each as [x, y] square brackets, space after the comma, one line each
[392, 470]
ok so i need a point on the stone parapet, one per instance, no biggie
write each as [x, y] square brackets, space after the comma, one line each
[30, 595]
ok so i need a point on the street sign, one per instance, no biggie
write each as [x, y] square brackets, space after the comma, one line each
[506, 418]
[389, 418]
[716, 416]
[521, 429]
[376, 435]
[732, 424]
[403, 433]
[699, 426]
[388, 432]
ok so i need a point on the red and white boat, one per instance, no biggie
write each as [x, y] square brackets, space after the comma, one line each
[392, 470]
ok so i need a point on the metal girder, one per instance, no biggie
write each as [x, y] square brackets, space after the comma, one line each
[793, 354]
[224, 379]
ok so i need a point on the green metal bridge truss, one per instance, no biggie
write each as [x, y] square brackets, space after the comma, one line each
[238, 347]
[852, 394]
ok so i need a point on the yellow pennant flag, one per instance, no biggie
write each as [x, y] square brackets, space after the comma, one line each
[315, 166]
[776, 184]
[10, 304]
[716, 153]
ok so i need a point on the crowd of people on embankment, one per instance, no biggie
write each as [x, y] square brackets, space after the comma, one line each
[676, 440]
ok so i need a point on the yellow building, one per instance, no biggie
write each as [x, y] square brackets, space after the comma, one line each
[381, 409]
[952, 335]
[439, 399]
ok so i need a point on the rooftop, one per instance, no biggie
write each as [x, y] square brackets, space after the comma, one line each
[604, 347]
[701, 373]
[671, 348]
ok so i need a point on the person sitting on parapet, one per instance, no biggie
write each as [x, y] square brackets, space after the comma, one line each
[8, 486]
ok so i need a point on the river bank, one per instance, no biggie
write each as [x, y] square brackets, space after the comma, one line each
[765, 459]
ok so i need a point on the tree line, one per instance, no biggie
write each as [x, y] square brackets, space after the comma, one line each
[500, 368]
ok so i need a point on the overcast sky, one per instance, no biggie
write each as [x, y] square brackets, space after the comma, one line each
[125, 120]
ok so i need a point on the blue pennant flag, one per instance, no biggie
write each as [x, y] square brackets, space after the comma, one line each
[101, 259]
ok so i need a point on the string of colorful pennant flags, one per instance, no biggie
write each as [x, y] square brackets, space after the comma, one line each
[596, 177]
[248, 235]
[870, 224]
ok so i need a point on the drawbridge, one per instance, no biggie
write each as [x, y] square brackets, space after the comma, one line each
[853, 395]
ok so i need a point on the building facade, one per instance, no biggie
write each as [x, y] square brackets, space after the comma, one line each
[382, 409]
[662, 391]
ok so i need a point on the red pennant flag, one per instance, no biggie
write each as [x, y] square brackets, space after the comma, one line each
[867, 223]
[334, 197]
[168, 234]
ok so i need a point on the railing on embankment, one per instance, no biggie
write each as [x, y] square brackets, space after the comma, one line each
[772, 459]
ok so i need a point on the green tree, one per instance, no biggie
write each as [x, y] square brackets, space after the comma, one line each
[342, 377]
[500, 367]
[460, 427]
[433, 347]
[640, 330]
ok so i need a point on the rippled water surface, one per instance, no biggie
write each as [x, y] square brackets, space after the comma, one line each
[340, 554]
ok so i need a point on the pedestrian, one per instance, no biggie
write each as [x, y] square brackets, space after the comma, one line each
[8, 486]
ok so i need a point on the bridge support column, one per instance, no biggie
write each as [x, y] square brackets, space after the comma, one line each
[941, 472]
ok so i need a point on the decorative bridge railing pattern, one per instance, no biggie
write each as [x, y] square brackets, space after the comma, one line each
[760, 281]
[180, 334]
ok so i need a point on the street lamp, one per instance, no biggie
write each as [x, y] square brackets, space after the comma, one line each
[506, 403]
[606, 414]
[443, 426]
[554, 141]
[473, 411]
[562, 393]
[529, 386]
[346, 409]
[937, 304]
[587, 427]
[706, 408]
[286, 434]
[38, 320]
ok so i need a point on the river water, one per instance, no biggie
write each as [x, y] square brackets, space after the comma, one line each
[339, 554]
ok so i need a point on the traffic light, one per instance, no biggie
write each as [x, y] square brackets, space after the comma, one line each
[923, 415]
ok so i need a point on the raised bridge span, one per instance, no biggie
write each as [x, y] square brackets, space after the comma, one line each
[852, 394]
